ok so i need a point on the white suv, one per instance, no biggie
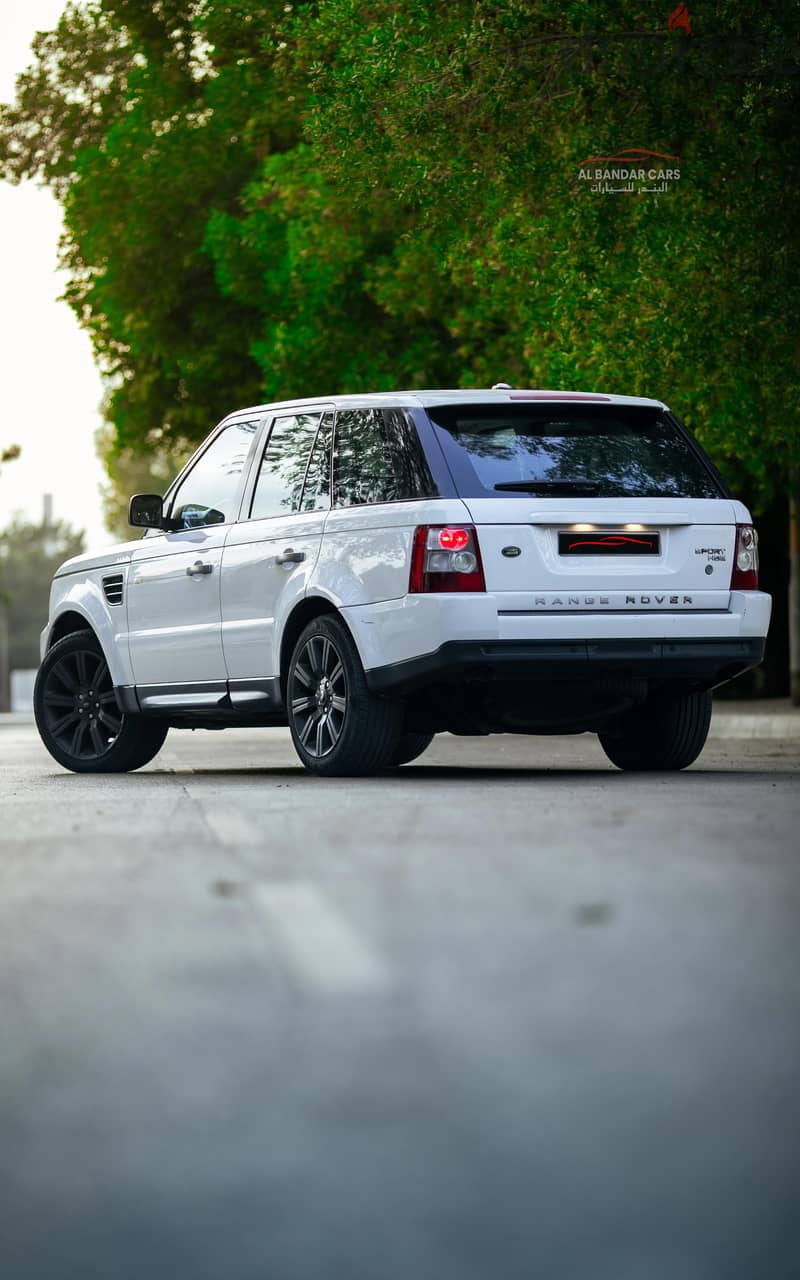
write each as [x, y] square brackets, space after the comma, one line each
[375, 569]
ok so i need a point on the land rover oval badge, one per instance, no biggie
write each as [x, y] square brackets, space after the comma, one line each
[511, 552]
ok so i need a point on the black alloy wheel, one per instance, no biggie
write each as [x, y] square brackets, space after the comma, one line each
[80, 711]
[318, 695]
[77, 714]
[338, 726]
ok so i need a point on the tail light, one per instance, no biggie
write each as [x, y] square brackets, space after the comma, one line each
[744, 576]
[446, 557]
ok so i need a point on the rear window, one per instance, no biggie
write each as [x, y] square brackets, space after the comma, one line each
[377, 457]
[556, 450]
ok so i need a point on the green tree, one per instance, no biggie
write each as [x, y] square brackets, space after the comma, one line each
[476, 118]
[130, 471]
[9, 453]
[126, 115]
[207, 258]
[29, 556]
[263, 201]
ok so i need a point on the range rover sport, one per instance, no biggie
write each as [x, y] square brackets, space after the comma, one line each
[375, 569]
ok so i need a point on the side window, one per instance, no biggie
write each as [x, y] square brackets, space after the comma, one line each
[209, 492]
[377, 457]
[283, 466]
[317, 488]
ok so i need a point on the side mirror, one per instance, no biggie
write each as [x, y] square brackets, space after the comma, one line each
[146, 510]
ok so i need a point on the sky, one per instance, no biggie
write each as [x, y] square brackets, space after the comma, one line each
[51, 390]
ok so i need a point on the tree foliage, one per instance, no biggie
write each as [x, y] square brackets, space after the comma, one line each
[478, 116]
[9, 453]
[132, 471]
[264, 201]
[29, 556]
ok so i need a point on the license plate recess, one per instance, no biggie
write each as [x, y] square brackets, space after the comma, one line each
[608, 542]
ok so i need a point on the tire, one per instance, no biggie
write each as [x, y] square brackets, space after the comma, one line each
[338, 727]
[410, 746]
[668, 733]
[77, 715]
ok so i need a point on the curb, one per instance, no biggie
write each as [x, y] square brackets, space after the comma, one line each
[753, 725]
[767, 718]
[15, 719]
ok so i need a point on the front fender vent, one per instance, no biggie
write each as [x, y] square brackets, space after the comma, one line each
[112, 588]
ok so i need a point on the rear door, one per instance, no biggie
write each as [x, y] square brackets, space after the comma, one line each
[271, 553]
[590, 508]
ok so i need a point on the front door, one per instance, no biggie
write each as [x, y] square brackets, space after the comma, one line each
[175, 632]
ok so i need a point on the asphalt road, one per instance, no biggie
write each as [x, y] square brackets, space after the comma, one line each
[507, 1013]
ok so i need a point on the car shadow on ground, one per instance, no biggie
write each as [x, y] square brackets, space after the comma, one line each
[464, 773]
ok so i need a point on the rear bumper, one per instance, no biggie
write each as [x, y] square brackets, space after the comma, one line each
[699, 660]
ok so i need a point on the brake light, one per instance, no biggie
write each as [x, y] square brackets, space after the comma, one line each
[744, 575]
[453, 539]
[558, 395]
[445, 558]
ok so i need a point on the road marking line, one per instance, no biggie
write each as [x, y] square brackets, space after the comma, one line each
[231, 828]
[320, 947]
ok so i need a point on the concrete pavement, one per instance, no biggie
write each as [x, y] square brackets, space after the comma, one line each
[504, 1013]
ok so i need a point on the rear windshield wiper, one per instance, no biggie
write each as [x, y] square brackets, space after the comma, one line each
[583, 488]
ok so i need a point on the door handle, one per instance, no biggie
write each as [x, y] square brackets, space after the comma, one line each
[290, 557]
[196, 569]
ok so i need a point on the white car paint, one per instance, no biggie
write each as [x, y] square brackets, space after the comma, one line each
[174, 631]
[366, 551]
[399, 630]
[179, 628]
[260, 587]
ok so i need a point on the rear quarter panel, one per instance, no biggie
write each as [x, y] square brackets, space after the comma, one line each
[365, 555]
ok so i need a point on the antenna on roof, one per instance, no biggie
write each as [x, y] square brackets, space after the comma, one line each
[502, 386]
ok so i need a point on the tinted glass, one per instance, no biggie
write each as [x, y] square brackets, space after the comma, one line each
[283, 466]
[377, 457]
[317, 488]
[622, 451]
[210, 492]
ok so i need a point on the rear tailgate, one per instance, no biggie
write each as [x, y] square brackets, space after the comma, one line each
[590, 504]
[605, 554]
